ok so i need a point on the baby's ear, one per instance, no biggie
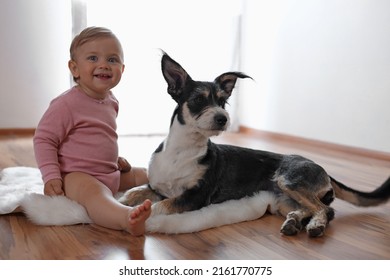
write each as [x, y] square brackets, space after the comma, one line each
[74, 69]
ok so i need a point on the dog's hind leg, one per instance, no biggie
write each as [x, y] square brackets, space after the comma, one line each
[306, 183]
[319, 221]
[310, 209]
[296, 215]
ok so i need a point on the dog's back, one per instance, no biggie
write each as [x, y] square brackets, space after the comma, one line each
[236, 172]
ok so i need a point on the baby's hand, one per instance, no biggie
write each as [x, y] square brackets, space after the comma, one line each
[53, 187]
[123, 165]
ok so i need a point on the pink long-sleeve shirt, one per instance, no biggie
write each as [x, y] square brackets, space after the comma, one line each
[78, 133]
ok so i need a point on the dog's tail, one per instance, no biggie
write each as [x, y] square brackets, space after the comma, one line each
[378, 196]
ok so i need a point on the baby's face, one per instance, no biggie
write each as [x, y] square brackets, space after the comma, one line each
[98, 65]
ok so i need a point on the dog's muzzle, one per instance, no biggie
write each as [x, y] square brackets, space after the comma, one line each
[220, 121]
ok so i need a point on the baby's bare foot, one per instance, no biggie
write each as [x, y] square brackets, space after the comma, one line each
[138, 216]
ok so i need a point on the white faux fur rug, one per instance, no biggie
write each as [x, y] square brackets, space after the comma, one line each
[15, 184]
[23, 187]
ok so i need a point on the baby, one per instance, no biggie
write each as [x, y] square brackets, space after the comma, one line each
[75, 142]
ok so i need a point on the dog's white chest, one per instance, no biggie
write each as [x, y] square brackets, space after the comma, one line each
[171, 173]
[176, 168]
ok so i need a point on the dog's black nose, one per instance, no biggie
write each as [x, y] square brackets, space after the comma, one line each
[220, 119]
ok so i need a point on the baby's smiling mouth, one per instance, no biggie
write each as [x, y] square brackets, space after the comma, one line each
[103, 76]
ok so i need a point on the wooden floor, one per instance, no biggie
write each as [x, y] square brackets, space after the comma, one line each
[355, 233]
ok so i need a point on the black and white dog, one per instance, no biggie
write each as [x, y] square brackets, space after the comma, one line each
[213, 184]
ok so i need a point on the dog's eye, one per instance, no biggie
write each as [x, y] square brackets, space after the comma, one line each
[199, 99]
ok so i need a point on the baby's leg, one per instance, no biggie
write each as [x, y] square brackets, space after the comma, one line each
[137, 176]
[102, 207]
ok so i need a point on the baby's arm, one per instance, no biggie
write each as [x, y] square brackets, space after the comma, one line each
[131, 176]
[50, 132]
[123, 165]
[137, 175]
[53, 187]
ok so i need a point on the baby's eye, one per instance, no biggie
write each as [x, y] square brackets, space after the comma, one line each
[113, 60]
[92, 58]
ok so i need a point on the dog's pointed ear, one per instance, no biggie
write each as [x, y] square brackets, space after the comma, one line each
[227, 81]
[174, 75]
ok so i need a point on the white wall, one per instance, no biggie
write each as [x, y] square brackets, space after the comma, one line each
[200, 39]
[34, 51]
[35, 38]
[322, 70]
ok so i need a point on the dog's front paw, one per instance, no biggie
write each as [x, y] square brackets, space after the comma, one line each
[138, 195]
[133, 197]
[165, 207]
